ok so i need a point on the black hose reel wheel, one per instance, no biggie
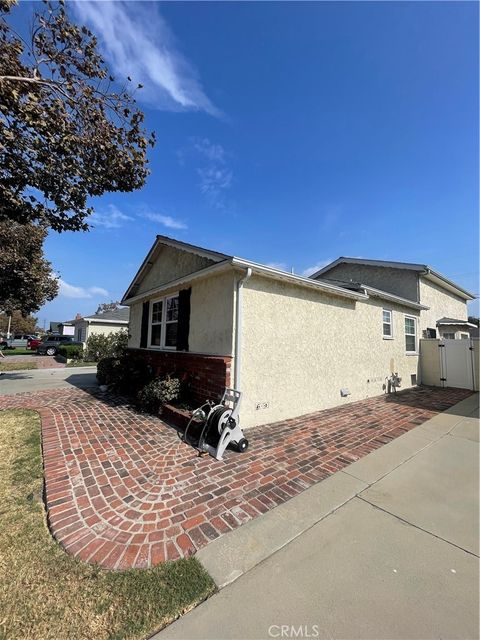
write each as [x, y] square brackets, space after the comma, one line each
[242, 445]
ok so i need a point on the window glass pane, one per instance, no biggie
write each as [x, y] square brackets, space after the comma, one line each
[171, 334]
[387, 329]
[410, 343]
[156, 332]
[409, 325]
[157, 312]
[386, 316]
[172, 309]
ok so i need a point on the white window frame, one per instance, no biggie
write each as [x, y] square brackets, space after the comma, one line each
[161, 346]
[388, 337]
[415, 320]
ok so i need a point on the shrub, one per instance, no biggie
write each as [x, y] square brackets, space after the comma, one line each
[112, 345]
[71, 351]
[125, 374]
[157, 392]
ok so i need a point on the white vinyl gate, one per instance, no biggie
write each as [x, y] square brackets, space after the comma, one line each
[449, 363]
[456, 363]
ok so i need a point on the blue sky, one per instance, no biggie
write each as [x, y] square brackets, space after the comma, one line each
[289, 134]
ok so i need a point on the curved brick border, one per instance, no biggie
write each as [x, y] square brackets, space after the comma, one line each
[123, 491]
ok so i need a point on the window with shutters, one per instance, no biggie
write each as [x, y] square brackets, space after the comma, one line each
[164, 322]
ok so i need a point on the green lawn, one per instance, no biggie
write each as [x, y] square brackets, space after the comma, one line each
[81, 363]
[19, 352]
[47, 594]
[16, 366]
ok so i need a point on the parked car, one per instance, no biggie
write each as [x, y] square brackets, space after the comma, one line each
[33, 342]
[50, 344]
[18, 341]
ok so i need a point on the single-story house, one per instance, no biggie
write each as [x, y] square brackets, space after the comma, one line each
[101, 323]
[63, 328]
[291, 344]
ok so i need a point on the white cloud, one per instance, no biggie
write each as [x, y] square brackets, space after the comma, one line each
[111, 218]
[67, 290]
[316, 267]
[214, 179]
[139, 44]
[166, 221]
[214, 152]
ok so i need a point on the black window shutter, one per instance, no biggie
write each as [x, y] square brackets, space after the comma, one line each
[145, 319]
[183, 319]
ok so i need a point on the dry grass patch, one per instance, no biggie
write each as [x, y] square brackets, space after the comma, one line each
[16, 366]
[47, 594]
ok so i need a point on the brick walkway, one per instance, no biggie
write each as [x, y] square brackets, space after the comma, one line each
[122, 490]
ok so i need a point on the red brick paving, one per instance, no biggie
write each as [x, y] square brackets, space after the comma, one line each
[122, 489]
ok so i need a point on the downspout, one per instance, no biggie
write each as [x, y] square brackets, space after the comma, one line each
[238, 328]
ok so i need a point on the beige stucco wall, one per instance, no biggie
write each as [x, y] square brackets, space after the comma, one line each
[104, 329]
[401, 282]
[300, 347]
[170, 263]
[442, 304]
[211, 315]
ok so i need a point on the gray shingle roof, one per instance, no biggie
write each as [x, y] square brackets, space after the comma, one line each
[120, 314]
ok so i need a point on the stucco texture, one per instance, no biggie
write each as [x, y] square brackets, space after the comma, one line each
[401, 282]
[301, 347]
[170, 263]
[442, 303]
[211, 315]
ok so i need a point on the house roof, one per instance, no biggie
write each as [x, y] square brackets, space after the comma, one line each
[422, 269]
[455, 321]
[376, 293]
[119, 315]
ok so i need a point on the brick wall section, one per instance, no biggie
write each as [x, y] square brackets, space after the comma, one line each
[208, 375]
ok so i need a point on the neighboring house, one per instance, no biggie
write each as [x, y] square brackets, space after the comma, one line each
[66, 328]
[291, 344]
[101, 323]
[62, 328]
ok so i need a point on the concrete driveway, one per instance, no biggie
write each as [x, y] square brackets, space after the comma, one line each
[40, 379]
[385, 548]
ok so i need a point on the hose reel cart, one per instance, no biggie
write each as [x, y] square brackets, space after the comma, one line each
[213, 427]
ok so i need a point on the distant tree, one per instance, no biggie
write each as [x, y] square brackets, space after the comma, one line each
[65, 133]
[19, 323]
[108, 306]
[26, 278]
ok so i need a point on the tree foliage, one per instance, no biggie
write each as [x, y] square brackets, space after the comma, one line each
[26, 278]
[66, 132]
[107, 306]
[19, 323]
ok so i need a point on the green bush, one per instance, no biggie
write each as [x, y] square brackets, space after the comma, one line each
[157, 392]
[112, 345]
[124, 374]
[71, 351]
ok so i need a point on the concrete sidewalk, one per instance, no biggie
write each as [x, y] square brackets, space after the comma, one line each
[386, 548]
[39, 379]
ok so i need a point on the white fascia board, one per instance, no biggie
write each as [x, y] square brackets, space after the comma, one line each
[107, 321]
[278, 274]
[461, 323]
[257, 268]
[384, 295]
